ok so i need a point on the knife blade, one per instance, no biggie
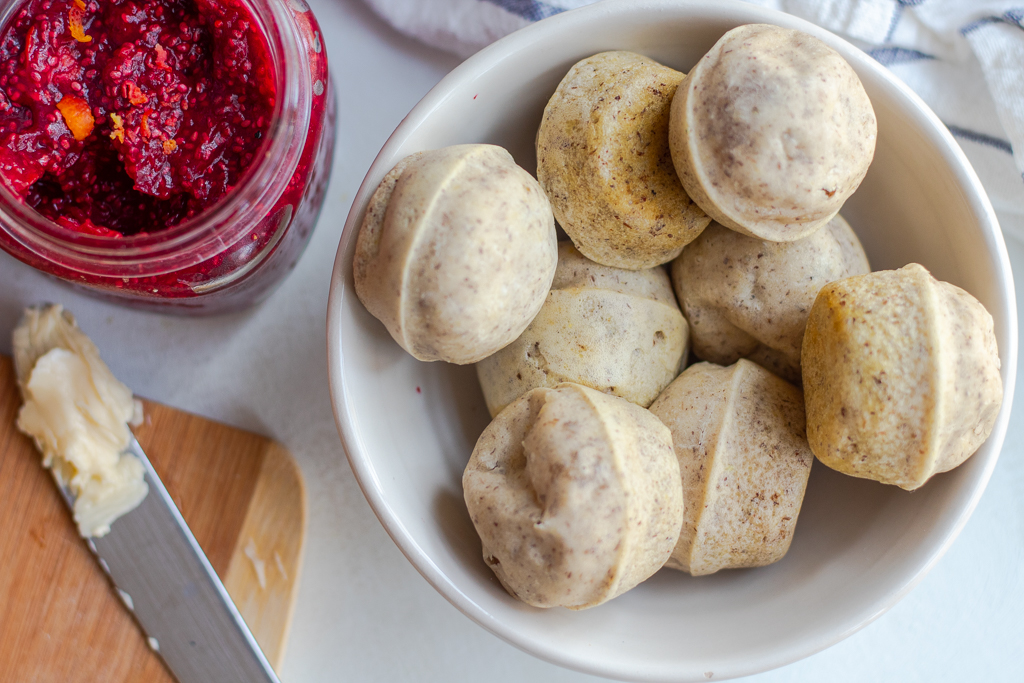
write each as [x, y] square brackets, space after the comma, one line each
[169, 585]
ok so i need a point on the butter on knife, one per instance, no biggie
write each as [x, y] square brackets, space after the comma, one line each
[78, 413]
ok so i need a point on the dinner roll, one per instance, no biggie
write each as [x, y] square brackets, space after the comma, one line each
[743, 457]
[901, 376]
[771, 132]
[456, 252]
[614, 330]
[746, 297]
[575, 495]
[603, 159]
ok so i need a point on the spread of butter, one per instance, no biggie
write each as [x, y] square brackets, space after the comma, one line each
[78, 414]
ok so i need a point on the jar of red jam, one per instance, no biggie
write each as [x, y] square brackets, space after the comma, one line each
[167, 154]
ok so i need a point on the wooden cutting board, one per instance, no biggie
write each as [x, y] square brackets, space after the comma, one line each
[60, 618]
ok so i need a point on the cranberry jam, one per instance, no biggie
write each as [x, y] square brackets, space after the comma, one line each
[169, 102]
[129, 125]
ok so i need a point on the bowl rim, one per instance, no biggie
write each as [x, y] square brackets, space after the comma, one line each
[521, 41]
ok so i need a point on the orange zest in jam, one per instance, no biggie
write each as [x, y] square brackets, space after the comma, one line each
[76, 23]
[161, 58]
[77, 115]
[118, 133]
[135, 95]
[170, 146]
[145, 122]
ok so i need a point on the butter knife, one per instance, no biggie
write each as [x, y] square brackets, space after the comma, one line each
[75, 411]
[169, 585]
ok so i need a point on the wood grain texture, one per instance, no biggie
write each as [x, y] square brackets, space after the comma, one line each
[262, 574]
[60, 618]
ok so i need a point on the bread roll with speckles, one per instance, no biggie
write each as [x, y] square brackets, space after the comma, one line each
[614, 330]
[575, 495]
[771, 132]
[745, 297]
[603, 159]
[901, 376]
[743, 457]
[456, 252]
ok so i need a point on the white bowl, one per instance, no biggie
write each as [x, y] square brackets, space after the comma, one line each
[409, 427]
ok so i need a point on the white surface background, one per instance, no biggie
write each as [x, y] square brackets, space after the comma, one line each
[364, 614]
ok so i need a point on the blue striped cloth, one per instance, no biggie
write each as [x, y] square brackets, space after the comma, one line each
[965, 58]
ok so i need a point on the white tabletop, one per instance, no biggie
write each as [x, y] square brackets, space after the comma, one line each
[364, 613]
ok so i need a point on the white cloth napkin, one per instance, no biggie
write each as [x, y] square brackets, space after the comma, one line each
[965, 58]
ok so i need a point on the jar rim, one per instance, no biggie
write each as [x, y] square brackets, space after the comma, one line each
[216, 227]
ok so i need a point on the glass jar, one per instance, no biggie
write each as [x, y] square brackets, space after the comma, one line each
[234, 253]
